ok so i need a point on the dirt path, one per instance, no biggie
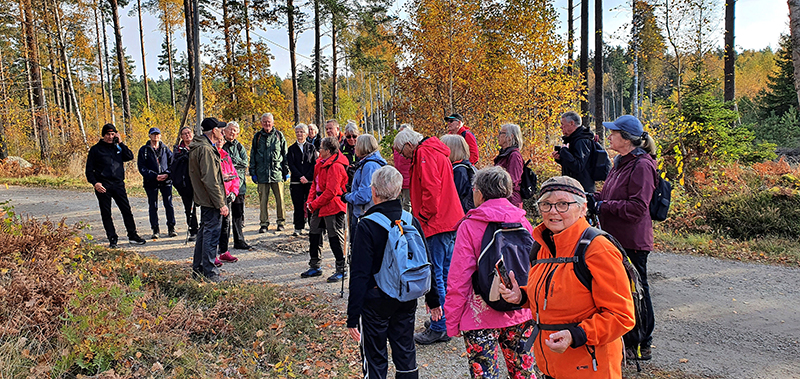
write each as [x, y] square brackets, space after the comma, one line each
[714, 318]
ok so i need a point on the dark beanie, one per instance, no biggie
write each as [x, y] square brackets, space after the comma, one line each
[210, 123]
[108, 128]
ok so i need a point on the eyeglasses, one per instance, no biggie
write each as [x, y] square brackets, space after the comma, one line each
[350, 136]
[561, 206]
[501, 133]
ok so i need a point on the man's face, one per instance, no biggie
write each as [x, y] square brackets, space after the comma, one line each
[331, 130]
[453, 126]
[155, 138]
[231, 133]
[568, 127]
[267, 123]
[217, 135]
[109, 137]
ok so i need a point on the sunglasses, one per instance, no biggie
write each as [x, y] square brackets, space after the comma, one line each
[350, 136]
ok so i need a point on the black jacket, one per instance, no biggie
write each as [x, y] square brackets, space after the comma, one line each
[575, 159]
[153, 162]
[367, 257]
[463, 172]
[301, 163]
[105, 163]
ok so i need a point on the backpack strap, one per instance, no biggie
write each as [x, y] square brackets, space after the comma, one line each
[379, 219]
[406, 217]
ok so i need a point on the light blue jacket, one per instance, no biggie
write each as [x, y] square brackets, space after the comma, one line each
[361, 194]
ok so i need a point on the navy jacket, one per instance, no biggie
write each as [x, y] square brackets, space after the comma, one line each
[368, 257]
[463, 172]
[154, 162]
[105, 163]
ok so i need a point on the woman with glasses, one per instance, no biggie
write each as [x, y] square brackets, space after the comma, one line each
[623, 208]
[349, 146]
[577, 331]
[509, 158]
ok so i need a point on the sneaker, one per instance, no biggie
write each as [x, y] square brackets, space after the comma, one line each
[155, 236]
[112, 245]
[228, 258]
[136, 240]
[172, 232]
[311, 273]
[263, 229]
[646, 353]
[217, 262]
[337, 277]
[430, 337]
[296, 233]
[192, 237]
[279, 228]
[242, 247]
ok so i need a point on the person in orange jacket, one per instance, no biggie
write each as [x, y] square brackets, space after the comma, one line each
[578, 332]
[327, 209]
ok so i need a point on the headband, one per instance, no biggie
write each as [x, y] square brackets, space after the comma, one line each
[561, 187]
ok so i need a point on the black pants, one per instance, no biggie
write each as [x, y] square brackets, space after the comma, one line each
[116, 192]
[205, 249]
[639, 260]
[152, 201]
[299, 194]
[225, 230]
[188, 205]
[237, 218]
[385, 318]
[334, 225]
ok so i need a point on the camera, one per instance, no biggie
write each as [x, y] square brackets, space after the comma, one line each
[116, 140]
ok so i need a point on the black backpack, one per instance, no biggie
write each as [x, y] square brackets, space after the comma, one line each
[179, 171]
[512, 242]
[578, 260]
[599, 164]
[662, 197]
[527, 188]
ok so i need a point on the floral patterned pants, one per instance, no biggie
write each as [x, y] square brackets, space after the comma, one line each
[483, 357]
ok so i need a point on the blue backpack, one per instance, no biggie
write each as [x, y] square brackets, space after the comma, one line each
[405, 271]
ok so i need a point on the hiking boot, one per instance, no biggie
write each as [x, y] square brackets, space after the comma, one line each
[155, 235]
[112, 244]
[630, 354]
[136, 240]
[311, 273]
[217, 262]
[228, 258]
[172, 232]
[337, 277]
[429, 337]
[192, 237]
[296, 233]
[279, 228]
[647, 353]
[263, 229]
[242, 246]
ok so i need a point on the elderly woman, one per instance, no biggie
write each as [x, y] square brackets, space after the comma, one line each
[381, 316]
[327, 209]
[313, 136]
[349, 146]
[301, 157]
[484, 328]
[369, 161]
[180, 178]
[509, 158]
[403, 165]
[463, 171]
[623, 204]
[578, 330]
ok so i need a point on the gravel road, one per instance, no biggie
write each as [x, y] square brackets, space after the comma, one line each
[714, 317]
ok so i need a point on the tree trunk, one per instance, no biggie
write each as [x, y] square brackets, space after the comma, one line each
[123, 71]
[3, 102]
[226, 32]
[635, 32]
[144, 61]
[108, 71]
[37, 92]
[598, 69]
[334, 93]
[317, 64]
[584, 64]
[100, 62]
[570, 36]
[70, 86]
[248, 44]
[293, 61]
[794, 27]
[678, 58]
[188, 16]
[168, 36]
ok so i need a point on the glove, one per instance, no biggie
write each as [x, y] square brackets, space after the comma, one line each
[343, 198]
[255, 180]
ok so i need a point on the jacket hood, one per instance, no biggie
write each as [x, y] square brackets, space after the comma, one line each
[199, 140]
[582, 132]
[496, 210]
[433, 144]
[338, 158]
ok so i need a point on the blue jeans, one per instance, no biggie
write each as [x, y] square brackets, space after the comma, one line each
[205, 249]
[152, 200]
[441, 246]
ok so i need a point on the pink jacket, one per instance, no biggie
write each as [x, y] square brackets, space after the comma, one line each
[229, 174]
[403, 165]
[465, 309]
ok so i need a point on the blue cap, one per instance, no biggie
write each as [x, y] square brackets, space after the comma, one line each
[154, 130]
[626, 123]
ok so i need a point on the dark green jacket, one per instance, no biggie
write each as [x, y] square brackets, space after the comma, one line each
[239, 158]
[268, 157]
[205, 171]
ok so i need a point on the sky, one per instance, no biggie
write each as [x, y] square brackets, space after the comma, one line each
[759, 24]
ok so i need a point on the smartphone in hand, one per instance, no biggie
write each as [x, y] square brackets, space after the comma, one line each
[502, 272]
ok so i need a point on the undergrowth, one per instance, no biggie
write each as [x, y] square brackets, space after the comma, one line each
[71, 308]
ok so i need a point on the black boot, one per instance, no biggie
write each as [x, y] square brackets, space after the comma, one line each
[172, 232]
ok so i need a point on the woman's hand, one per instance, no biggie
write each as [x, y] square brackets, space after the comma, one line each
[559, 341]
[355, 334]
[513, 295]
[303, 180]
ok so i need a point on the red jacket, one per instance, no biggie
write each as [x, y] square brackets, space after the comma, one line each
[403, 165]
[434, 199]
[330, 179]
[472, 142]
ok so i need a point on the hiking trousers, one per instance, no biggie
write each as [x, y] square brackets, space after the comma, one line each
[639, 260]
[116, 192]
[299, 192]
[152, 201]
[441, 247]
[263, 197]
[334, 225]
[385, 318]
[205, 248]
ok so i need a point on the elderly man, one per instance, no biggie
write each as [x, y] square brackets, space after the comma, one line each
[205, 171]
[106, 171]
[153, 162]
[332, 130]
[455, 125]
[435, 203]
[574, 154]
[238, 155]
[268, 168]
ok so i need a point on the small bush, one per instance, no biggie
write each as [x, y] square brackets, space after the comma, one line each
[774, 212]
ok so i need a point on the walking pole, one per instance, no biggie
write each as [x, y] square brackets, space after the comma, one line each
[346, 248]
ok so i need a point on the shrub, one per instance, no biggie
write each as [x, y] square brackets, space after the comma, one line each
[774, 212]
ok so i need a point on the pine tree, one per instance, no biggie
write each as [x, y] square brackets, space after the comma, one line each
[779, 95]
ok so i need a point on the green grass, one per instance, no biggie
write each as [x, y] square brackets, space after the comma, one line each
[48, 181]
[771, 250]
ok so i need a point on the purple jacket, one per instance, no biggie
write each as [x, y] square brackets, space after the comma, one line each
[465, 309]
[511, 160]
[626, 198]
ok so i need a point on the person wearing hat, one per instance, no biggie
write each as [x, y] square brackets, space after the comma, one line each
[577, 330]
[573, 155]
[205, 171]
[268, 168]
[623, 206]
[105, 170]
[153, 162]
[455, 125]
